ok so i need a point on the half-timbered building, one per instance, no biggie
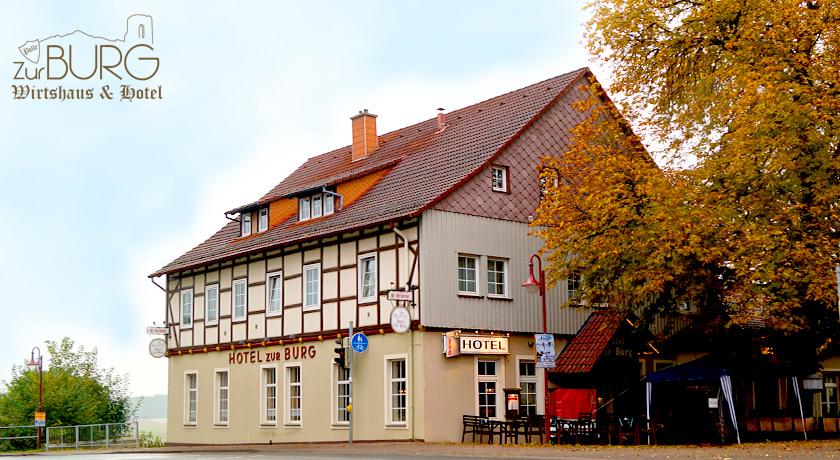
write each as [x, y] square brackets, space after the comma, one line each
[440, 208]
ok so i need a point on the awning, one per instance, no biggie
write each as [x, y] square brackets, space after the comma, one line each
[705, 368]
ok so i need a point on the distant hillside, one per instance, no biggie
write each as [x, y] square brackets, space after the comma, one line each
[150, 406]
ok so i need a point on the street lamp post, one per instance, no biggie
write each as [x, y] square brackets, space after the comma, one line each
[38, 364]
[532, 284]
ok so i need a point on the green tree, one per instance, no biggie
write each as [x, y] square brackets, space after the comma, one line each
[76, 390]
[743, 99]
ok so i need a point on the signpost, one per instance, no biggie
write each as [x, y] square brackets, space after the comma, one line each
[157, 348]
[40, 419]
[156, 330]
[401, 296]
[400, 320]
[545, 350]
[359, 343]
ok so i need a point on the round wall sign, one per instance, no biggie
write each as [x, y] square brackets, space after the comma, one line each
[157, 348]
[400, 320]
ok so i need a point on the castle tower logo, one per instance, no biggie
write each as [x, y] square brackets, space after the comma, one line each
[138, 29]
[80, 57]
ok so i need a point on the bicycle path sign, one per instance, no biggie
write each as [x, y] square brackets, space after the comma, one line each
[359, 342]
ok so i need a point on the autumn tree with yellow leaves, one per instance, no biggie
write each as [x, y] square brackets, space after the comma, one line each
[742, 219]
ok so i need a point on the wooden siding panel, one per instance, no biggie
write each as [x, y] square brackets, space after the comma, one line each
[443, 235]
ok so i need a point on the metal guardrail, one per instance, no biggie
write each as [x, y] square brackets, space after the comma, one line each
[99, 435]
[5, 430]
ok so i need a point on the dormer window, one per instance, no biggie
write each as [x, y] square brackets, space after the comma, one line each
[245, 223]
[262, 222]
[303, 209]
[315, 206]
[329, 204]
[500, 178]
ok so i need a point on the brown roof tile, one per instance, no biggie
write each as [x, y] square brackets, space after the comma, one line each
[424, 167]
[581, 354]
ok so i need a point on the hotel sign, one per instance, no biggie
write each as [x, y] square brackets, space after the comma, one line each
[457, 344]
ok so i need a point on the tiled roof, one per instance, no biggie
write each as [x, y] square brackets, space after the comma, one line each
[424, 167]
[586, 347]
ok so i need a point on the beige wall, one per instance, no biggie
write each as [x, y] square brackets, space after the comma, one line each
[451, 386]
[440, 391]
[318, 395]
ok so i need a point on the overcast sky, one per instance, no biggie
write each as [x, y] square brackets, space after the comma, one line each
[98, 194]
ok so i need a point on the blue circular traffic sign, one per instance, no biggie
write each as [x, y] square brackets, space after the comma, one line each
[359, 342]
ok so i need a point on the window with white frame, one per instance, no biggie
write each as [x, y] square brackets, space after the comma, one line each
[342, 394]
[500, 178]
[312, 287]
[269, 395]
[397, 391]
[367, 278]
[467, 274]
[303, 209]
[497, 277]
[274, 293]
[316, 206]
[573, 283]
[262, 221]
[488, 381]
[240, 299]
[528, 384]
[294, 395]
[329, 204]
[186, 307]
[190, 398]
[222, 397]
[245, 223]
[211, 304]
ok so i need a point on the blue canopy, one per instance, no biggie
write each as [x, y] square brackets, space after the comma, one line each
[705, 368]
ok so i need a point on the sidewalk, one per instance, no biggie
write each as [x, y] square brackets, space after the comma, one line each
[795, 449]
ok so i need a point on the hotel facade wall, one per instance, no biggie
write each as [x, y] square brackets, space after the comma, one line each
[439, 391]
[319, 418]
[337, 258]
[446, 235]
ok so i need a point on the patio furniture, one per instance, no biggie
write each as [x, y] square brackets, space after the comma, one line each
[480, 426]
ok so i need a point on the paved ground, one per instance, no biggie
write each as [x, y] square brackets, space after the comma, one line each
[424, 451]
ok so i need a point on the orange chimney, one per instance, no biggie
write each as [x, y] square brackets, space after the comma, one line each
[365, 140]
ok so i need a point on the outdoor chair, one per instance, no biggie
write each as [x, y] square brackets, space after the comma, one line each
[584, 428]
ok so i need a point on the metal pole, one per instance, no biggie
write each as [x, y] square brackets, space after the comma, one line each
[40, 392]
[547, 426]
[350, 365]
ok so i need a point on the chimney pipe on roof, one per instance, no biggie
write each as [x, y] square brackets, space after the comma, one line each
[365, 140]
[441, 121]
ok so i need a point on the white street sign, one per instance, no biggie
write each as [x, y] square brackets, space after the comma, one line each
[405, 296]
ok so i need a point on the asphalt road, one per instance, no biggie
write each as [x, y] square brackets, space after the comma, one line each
[427, 451]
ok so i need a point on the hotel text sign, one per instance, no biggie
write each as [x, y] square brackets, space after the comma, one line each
[266, 356]
[483, 345]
